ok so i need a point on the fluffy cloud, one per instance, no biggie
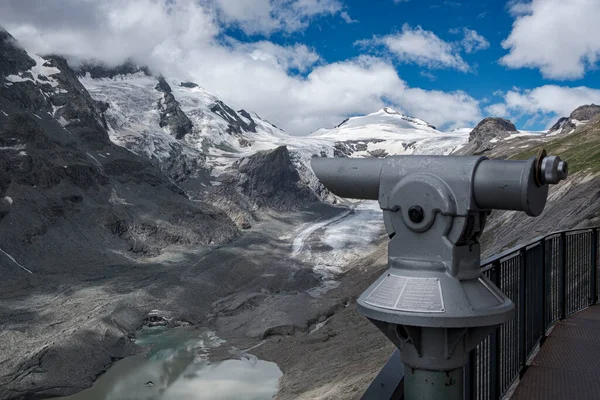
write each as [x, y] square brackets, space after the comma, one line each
[543, 102]
[298, 56]
[561, 38]
[420, 47]
[268, 16]
[185, 39]
[425, 48]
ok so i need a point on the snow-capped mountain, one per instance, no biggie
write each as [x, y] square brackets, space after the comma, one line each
[389, 132]
[385, 123]
[192, 134]
[179, 124]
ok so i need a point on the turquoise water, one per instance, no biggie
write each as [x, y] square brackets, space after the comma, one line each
[176, 367]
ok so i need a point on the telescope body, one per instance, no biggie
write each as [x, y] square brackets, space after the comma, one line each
[433, 302]
[497, 184]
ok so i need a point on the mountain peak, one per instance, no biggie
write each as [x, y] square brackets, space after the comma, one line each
[580, 115]
[386, 115]
[390, 110]
[487, 132]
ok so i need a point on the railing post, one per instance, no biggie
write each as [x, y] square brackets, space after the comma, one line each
[470, 376]
[495, 342]
[522, 310]
[545, 303]
[594, 255]
[563, 277]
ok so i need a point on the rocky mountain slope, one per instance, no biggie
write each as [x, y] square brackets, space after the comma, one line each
[487, 132]
[62, 173]
[578, 117]
[573, 203]
[77, 212]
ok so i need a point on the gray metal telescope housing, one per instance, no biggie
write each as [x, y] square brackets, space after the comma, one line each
[433, 302]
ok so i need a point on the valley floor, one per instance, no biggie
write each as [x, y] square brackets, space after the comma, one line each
[273, 287]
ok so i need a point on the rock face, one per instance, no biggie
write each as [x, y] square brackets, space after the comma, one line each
[98, 71]
[580, 115]
[585, 113]
[267, 180]
[171, 115]
[560, 124]
[236, 123]
[489, 130]
[270, 180]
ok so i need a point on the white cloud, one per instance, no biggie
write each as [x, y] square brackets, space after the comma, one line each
[347, 18]
[184, 39]
[452, 110]
[297, 56]
[420, 47]
[473, 41]
[268, 16]
[497, 110]
[427, 75]
[544, 101]
[561, 38]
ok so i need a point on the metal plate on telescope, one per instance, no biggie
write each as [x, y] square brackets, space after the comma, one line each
[403, 293]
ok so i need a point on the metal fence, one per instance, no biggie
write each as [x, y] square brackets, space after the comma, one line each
[548, 279]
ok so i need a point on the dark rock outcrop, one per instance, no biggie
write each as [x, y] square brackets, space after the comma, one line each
[342, 123]
[585, 112]
[99, 70]
[14, 59]
[236, 124]
[171, 115]
[559, 125]
[188, 84]
[270, 180]
[483, 136]
[349, 147]
[267, 180]
[378, 153]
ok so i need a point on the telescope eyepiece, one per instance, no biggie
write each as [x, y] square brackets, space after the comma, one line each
[553, 170]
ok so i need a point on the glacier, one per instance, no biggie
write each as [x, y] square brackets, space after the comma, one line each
[220, 135]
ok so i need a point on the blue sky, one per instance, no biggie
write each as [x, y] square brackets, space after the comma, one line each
[336, 41]
[306, 64]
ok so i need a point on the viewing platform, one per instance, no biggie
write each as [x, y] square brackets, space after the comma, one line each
[567, 364]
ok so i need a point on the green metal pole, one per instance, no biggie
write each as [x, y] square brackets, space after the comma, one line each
[421, 384]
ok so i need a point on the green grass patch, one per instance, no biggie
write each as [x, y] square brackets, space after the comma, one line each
[580, 149]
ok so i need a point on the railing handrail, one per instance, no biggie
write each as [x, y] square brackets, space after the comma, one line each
[487, 263]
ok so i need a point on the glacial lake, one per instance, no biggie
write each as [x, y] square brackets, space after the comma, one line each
[177, 368]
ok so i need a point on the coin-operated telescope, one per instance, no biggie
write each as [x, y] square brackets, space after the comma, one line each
[433, 302]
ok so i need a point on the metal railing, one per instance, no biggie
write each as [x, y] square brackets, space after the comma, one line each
[548, 279]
